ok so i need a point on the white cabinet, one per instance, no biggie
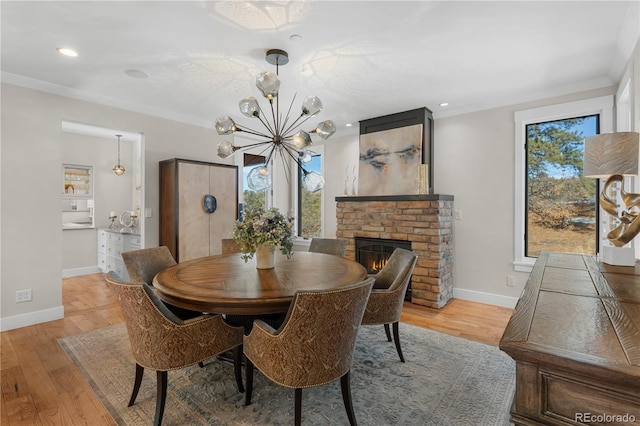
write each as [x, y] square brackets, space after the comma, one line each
[102, 249]
[77, 197]
[111, 245]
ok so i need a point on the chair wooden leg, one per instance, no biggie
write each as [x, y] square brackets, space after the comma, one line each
[346, 397]
[298, 408]
[396, 337]
[386, 330]
[161, 397]
[249, 381]
[136, 384]
[237, 366]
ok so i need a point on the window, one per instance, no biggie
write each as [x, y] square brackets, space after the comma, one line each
[252, 199]
[309, 207]
[548, 166]
[561, 206]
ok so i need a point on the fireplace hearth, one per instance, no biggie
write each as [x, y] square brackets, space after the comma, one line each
[373, 253]
[425, 222]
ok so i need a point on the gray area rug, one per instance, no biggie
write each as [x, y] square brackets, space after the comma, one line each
[446, 381]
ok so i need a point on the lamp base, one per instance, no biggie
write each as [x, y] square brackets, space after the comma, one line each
[618, 256]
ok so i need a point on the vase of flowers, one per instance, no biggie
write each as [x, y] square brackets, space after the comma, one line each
[265, 256]
[260, 231]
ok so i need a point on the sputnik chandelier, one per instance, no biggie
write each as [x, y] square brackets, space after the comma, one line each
[282, 138]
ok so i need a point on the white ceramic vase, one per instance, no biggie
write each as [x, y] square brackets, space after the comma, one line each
[265, 257]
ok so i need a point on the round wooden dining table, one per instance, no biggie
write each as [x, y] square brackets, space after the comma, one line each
[226, 284]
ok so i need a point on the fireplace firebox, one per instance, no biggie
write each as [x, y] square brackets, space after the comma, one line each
[373, 253]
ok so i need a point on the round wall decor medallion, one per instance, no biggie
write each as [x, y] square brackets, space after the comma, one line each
[209, 203]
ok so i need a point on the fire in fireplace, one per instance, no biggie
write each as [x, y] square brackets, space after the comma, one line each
[373, 253]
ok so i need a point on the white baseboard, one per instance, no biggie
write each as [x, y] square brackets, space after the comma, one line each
[491, 299]
[31, 318]
[67, 273]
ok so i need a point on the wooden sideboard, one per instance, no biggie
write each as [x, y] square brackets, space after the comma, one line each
[575, 337]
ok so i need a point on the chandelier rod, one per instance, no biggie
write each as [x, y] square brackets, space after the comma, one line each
[254, 144]
[289, 148]
[288, 113]
[266, 124]
[273, 115]
[293, 125]
[287, 173]
[277, 123]
[252, 132]
[273, 148]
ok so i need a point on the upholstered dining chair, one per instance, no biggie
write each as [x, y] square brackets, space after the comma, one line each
[143, 264]
[229, 245]
[387, 297]
[337, 247]
[161, 341]
[314, 346]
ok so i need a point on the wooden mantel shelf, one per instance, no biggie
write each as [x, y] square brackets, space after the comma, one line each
[414, 197]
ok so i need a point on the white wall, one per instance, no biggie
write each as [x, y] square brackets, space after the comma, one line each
[30, 176]
[473, 161]
[30, 216]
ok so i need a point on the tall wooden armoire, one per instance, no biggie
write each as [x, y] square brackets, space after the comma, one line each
[198, 207]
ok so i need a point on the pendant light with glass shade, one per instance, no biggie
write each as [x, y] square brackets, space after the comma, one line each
[282, 138]
[119, 168]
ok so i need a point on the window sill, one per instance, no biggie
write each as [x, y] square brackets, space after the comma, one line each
[302, 242]
[525, 265]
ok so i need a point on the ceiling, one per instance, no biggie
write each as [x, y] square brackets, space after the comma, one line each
[362, 59]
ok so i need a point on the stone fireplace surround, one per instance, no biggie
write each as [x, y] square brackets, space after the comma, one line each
[424, 220]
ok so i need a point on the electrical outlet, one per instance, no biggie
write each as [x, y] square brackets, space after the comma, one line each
[511, 281]
[458, 214]
[23, 296]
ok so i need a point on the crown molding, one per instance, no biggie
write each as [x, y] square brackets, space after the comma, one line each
[80, 95]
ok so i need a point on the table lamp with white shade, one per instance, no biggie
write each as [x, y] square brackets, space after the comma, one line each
[614, 156]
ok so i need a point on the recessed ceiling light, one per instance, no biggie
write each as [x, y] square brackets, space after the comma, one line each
[136, 73]
[348, 125]
[67, 52]
[444, 104]
[295, 37]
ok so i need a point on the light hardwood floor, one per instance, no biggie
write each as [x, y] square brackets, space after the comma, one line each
[41, 385]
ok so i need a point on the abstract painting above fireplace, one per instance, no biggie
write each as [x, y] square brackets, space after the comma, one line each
[389, 161]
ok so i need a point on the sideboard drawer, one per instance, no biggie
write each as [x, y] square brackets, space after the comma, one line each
[573, 401]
